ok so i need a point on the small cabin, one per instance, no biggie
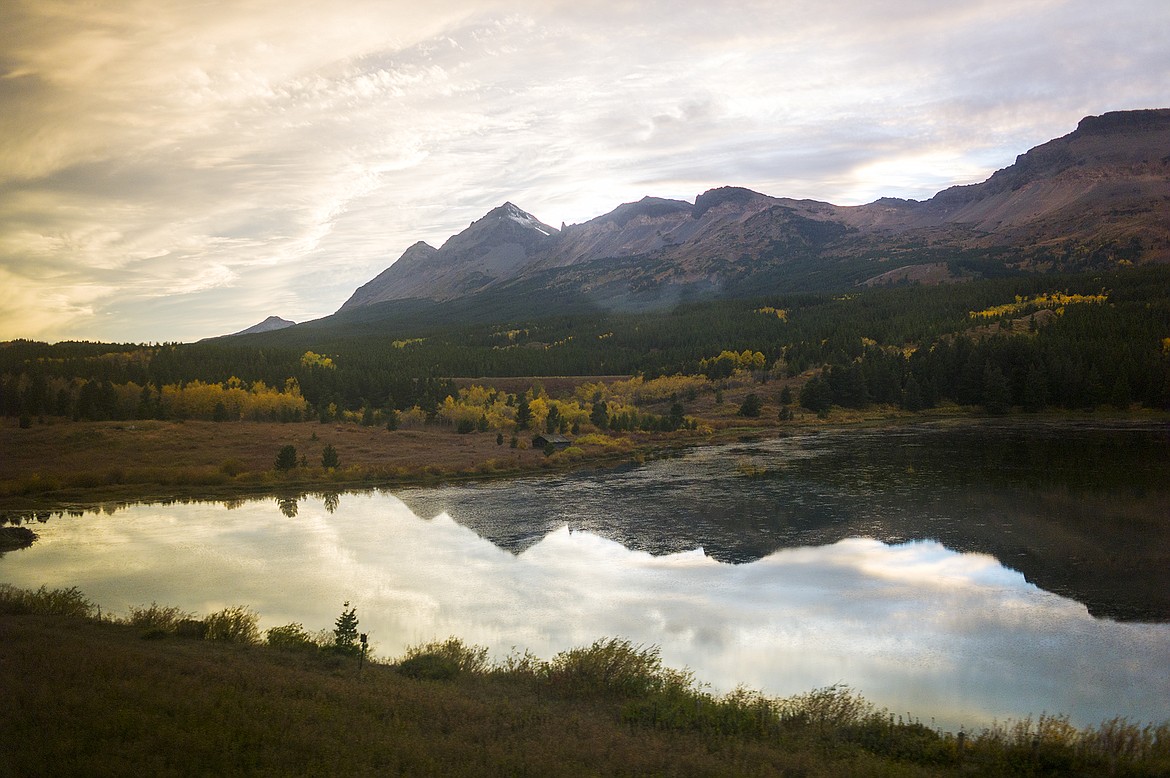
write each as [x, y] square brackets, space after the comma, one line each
[557, 442]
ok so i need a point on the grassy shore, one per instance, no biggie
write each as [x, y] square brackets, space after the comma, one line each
[147, 694]
[60, 463]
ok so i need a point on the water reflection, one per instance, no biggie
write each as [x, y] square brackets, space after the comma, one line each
[915, 627]
[1081, 510]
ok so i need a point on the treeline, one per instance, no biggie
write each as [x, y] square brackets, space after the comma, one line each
[1087, 357]
[1029, 341]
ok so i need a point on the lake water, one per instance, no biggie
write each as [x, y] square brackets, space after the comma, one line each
[961, 575]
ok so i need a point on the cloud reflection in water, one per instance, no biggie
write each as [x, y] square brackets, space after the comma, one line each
[953, 637]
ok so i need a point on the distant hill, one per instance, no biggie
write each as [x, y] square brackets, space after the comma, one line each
[1096, 198]
[271, 324]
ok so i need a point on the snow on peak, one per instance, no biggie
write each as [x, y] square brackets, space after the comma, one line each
[510, 211]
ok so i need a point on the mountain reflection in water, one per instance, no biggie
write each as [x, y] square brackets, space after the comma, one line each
[829, 584]
[1079, 510]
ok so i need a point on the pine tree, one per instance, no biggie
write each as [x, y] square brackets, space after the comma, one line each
[345, 632]
[997, 393]
[523, 413]
[329, 459]
[286, 459]
[599, 415]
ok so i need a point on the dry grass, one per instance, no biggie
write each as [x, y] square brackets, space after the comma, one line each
[62, 462]
[70, 461]
[95, 699]
[92, 697]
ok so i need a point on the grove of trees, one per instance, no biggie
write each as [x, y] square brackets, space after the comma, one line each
[1028, 342]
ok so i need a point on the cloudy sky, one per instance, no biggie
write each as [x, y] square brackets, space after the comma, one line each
[171, 170]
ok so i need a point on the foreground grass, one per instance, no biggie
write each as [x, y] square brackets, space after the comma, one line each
[94, 697]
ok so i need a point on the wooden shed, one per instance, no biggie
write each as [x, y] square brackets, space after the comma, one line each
[544, 440]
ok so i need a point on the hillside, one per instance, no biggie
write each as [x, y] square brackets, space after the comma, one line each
[93, 696]
[1094, 199]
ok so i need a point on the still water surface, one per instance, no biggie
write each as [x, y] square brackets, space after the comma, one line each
[898, 562]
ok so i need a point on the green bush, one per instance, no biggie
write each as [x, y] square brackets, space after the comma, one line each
[612, 667]
[45, 602]
[440, 661]
[236, 624]
[231, 467]
[157, 617]
[291, 637]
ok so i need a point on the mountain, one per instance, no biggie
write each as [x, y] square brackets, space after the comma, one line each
[271, 324]
[1092, 199]
[497, 247]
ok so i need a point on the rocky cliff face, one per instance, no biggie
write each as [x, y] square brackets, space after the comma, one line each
[1096, 197]
[497, 247]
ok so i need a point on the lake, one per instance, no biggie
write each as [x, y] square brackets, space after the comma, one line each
[958, 573]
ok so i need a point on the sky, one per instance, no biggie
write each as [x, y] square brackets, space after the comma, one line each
[172, 170]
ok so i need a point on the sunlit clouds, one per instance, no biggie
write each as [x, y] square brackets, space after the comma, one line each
[170, 170]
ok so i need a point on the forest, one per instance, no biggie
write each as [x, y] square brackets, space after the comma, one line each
[1021, 343]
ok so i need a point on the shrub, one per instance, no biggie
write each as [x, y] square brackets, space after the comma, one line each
[191, 628]
[610, 667]
[236, 624]
[828, 708]
[441, 661]
[231, 467]
[12, 538]
[526, 665]
[155, 616]
[291, 637]
[45, 602]
[751, 406]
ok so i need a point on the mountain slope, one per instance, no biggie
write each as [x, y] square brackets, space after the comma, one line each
[497, 246]
[271, 324]
[1094, 198]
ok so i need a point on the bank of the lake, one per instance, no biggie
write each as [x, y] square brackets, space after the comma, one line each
[95, 697]
[61, 464]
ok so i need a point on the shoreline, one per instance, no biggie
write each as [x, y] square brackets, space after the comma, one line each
[432, 457]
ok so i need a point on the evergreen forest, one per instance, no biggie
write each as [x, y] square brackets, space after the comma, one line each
[1026, 342]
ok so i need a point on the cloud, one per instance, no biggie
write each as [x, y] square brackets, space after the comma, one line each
[914, 627]
[310, 135]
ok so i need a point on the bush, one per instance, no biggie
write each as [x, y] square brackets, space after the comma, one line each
[751, 406]
[45, 602]
[12, 538]
[442, 661]
[155, 616]
[611, 667]
[191, 628]
[291, 637]
[236, 624]
[231, 467]
[832, 707]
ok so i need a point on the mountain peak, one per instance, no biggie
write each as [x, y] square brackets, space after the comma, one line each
[724, 194]
[514, 213]
[1102, 191]
[1114, 121]
[271, 324]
